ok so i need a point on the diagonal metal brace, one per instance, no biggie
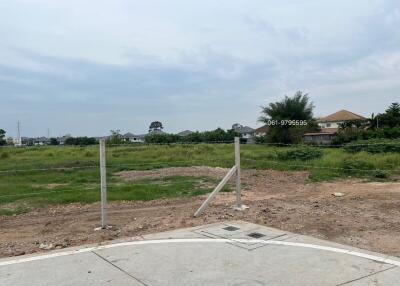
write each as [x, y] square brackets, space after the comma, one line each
[216, 191]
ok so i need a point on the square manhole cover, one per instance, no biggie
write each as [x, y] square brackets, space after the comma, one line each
[256, 235]
[231, 228]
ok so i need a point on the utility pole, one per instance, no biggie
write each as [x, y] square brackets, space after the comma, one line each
[19, 141]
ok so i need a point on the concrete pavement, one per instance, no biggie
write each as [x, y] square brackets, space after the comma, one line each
[231, 253]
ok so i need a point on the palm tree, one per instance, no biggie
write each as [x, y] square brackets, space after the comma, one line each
[297, 107]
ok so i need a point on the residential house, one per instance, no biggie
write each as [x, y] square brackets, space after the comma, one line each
[261, 131]
[132, 138]
[246, 132]
[336, 119]
[40, 141]
[330, 126]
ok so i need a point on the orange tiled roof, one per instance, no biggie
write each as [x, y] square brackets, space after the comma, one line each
[342, 115]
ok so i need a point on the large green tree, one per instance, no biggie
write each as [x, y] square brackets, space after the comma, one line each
[155, 126]
[296, 108]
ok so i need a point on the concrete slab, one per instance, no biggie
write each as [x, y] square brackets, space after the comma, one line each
[78, 269]
[216, 254]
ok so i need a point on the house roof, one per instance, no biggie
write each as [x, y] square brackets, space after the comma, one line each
[262, 129]
[185, 133]
[244, 129]
[128, 135]
[342, 115]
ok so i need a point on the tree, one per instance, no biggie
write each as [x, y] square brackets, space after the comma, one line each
[80, 141]
[2, 136]
[293, 108]
[116, 137]
[54, 141]
[391, 117]
[155, 126]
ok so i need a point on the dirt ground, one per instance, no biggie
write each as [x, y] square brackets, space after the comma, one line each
[366, 216]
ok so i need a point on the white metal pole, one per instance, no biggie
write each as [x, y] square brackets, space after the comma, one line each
[239, 206]
[103, 179]
[238, 181]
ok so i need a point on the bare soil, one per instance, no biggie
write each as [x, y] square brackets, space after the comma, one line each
[366, 216]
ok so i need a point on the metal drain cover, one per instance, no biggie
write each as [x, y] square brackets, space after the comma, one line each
[231, 228]
[256, 235]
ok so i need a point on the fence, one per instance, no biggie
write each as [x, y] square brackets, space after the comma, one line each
[87, 175]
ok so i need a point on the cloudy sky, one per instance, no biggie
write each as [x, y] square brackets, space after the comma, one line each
[85, 67]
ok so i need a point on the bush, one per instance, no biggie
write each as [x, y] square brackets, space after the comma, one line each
[89, 154]
[356, 166]
[4, 155]
[374, 146]
[381, 174]
[80, 141]
[300, 154]
[384, 133]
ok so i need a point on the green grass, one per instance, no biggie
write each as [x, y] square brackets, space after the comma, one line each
[82, 185]
[13, 211]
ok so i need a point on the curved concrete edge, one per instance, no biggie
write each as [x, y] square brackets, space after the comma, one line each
[203, 240]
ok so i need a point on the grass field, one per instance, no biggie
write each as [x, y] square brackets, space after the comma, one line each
[77, 179]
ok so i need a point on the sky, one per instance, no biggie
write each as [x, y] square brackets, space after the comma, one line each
[86, 67]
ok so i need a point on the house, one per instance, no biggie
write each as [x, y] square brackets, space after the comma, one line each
[246, 132]
[330, 126]
[261, 131]
[129, 137]
[185, 133]
[325, 136]
[336, 119]
[40, 141]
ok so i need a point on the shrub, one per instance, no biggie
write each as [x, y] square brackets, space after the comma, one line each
[381, 174]
[300, 154]
[356, 166]
[4, 155]
[89, 154]
[374, 146]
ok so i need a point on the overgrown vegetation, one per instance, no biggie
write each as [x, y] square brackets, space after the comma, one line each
[374, 146]
[217, 135]
[304, 154]
[80, 141]
[76, 174]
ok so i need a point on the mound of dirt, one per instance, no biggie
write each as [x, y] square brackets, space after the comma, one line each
[197, 171]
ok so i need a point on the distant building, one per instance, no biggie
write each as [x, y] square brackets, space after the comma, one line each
[132, 138]
[325, 136]
[40, 141]
[336, 119]
[330, 126]
[185, 133]
[261, 131]
[246, 132]
[10, 141]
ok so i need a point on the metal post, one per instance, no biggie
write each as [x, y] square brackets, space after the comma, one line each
[239, 206]
[103, 176]
[238, 181]
[216, 191]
